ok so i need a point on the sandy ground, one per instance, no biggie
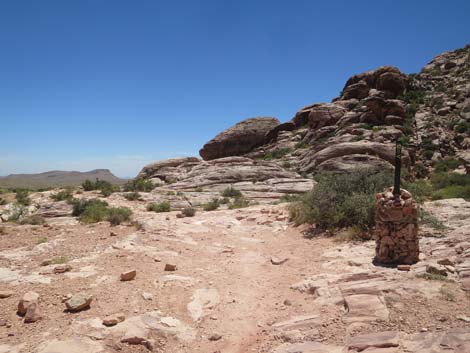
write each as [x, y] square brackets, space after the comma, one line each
[228, 293]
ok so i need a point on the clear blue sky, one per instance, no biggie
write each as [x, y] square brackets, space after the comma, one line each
[116, 84]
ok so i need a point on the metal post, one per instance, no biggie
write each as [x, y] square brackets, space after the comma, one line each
[396, 186]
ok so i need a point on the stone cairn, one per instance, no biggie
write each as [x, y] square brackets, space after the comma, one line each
[396, 233]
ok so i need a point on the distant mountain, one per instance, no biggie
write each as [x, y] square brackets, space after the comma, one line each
[57, 178]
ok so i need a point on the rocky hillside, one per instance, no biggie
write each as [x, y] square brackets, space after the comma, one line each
[57, 178]
[428, 112]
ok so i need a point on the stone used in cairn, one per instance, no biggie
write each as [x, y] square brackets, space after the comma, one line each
[396, 229]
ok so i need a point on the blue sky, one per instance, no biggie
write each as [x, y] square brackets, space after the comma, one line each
[117, 84]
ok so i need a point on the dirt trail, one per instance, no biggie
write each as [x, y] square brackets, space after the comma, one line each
[226, 294]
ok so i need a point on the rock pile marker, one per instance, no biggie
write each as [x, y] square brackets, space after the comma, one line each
[396, 220]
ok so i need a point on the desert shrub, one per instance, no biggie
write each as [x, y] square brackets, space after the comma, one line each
[63, 195]
[22, 197]
[188, 212]
[426, 218]
[462, 127]
[349, 234]
[357, 138]
[286, 165]
[2, 201]
[211, 206]
[18, 212]
[199, 189]
[132, 196]
[420, 189]
[231, 192]
[88, 185]
[289, 198]
[58, 260]
[445, 165]
[442, 180]
[276, 154]
[224, 201]
[452, 192]
[41, 240]
[159, 207]
[301, 144]
[341, 200]
[118, 215]
[94, 212]
[238, 202]
[139, 184]
[104, 186]
[33, 220]
[79, 206]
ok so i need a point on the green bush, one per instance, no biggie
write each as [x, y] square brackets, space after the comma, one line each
[301, 144]
[139, 184]
[33, 220]
[452, 192]
[188, 212]
[211, 206]
[118, 215]
[445, 165]
[22, 197]
[105, 187]
[231, 192]
[341, 200]
[276, 154]
[94, 212]
[80, 206]
[63, 195]
[159, 207]
[238, 202]
[132, 196]
[442, 180]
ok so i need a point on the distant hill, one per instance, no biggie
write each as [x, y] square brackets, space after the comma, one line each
[57, 178]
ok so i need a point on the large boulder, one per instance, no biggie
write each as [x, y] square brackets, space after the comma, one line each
[168, 170]
[388, 79]
[325, 115]
[239, 139]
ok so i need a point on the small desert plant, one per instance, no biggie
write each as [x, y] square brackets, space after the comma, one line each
[159, 207]
[188, 211]
[445, 165]
[289, 198]
[58, 260]
[139, 184]
[105, 187]
[447, 293]
[286, 165]
[212, 205]
[231, 192]
[41, 240]
[239, 202]
[349, 234]
[301, 144]
[63, 195]
[132, 196]
[276, 154]
[2, 201]
[22, 197]
[199, 189]
[19, 211]
[224, 200]
[118, 215]
[433, 277]
[33, 220]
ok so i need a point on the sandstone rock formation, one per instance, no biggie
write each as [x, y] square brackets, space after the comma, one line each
[238, 139]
